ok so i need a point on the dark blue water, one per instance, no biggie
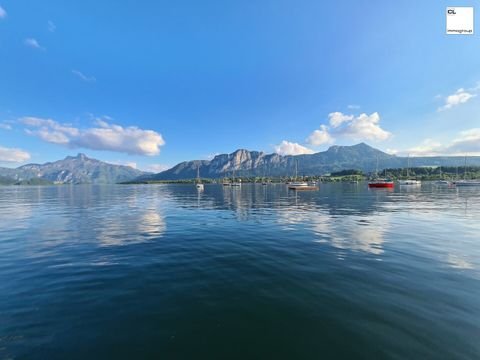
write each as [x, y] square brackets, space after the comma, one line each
[252, 273]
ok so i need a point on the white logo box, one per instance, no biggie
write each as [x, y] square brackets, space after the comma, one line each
[459, 20]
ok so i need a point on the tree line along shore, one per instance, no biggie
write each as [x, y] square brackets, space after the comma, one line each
[419, 173]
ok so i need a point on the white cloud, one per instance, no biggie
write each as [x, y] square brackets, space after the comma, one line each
[13, 155]
[105, 136]
[290, 148]
[84, 77]
[428, 147]
[33, 43]
[131, 164]
[51, 26]
[353, 107]
[461, 96]
[3, 13]
[50, 130]
[5, 126]
[211, 156]
[391, 151]
[320, 137]
[156, 168]
[337, 118]
[364, 127]
[466, 142]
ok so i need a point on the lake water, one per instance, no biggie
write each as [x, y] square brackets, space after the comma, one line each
[257, 272]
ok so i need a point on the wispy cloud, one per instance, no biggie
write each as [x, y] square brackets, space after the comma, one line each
[33, 43]
[353, 107]
[461, 96]
[391, 151]
[51, 26]
[156, 168]
[5, 126]
[465, 142]
[291, 148]
[211, 156]
[3, 13]
[131, 164]
[104, 136]
[83, 77]
[13, 155]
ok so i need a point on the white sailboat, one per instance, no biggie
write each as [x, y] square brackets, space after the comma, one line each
[466, 182]
[409, 181]
[198, 182]
[442, 181]
[264, 179]
[226, 182]
[236, 182]
[300, 185]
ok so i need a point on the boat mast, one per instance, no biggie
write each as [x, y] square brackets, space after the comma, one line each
[465, 172]
[408, 165]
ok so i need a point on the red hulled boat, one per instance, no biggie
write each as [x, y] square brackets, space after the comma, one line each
[381, 184]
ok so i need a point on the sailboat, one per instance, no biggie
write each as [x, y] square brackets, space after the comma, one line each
[409, 181]
[300, 185]
[198, 182]
[442, 181]
[466, 182]
[226, 181]
[236, 182]
[380, 183]
[264, 179]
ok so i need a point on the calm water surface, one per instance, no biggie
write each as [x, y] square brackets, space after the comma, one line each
[256, 272]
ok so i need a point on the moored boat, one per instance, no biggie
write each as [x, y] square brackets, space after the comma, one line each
[381, 183]
[198, 182]
[301, 185]
[443, 183]
[409, 181]
[226, 181]
[467, 183]
[236, 182]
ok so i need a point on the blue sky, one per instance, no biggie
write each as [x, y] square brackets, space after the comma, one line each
[153, 83]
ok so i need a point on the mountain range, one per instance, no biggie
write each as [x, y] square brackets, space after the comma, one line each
[254, 163]
[82, 169]
[78, 169]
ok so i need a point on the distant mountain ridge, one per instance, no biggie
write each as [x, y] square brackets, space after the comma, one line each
[78, 169]
[254, 163]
